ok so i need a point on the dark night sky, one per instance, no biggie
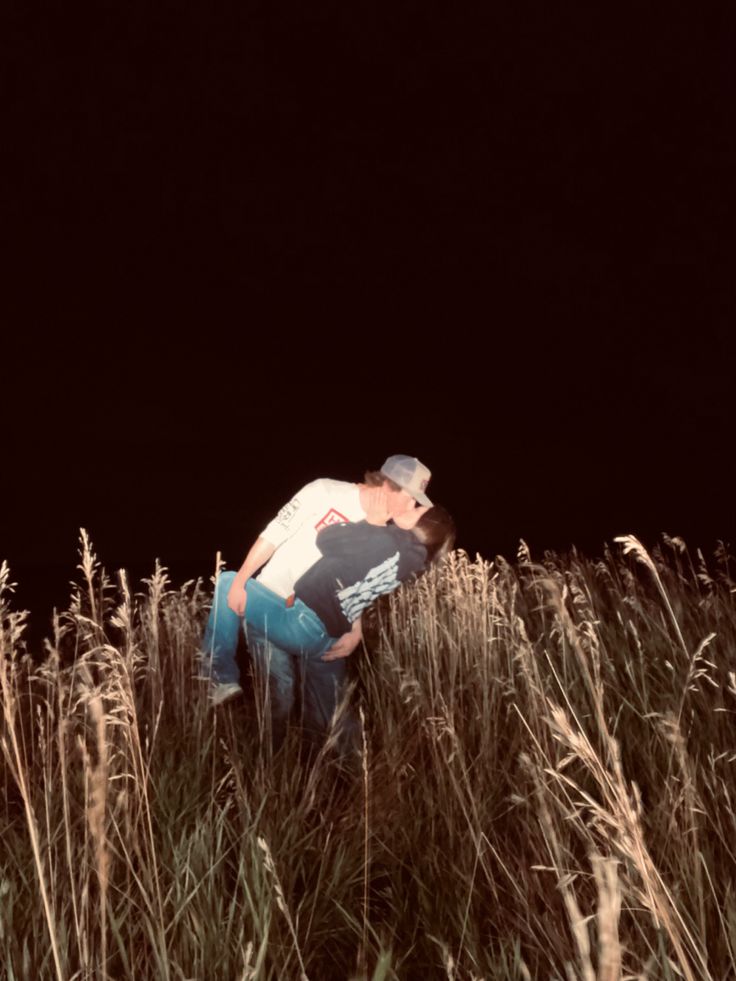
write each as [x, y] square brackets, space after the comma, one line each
[254, 244]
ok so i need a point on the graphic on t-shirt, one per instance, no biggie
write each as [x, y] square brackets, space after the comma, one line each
[380, 579]
[332, 517]
[288, 511]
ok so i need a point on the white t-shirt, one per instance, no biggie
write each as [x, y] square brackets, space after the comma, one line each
[294, 530]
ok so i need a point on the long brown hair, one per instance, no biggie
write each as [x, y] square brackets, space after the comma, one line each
[436, 531]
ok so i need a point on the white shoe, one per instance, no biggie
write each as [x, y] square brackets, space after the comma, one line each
[221, 693]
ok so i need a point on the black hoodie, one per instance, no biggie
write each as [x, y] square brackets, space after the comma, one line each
[359, 563]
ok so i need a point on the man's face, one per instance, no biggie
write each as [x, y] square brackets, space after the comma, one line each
[399, 501]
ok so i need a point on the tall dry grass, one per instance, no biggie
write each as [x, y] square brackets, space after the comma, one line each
[545, 786]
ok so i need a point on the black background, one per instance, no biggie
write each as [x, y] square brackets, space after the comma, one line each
[254, 244]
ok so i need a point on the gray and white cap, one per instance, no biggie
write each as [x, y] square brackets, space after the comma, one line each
[411, 475]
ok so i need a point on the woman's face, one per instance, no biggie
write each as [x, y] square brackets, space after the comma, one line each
[408, 519]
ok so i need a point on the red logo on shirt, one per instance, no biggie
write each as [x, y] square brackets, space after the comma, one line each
[332, 517]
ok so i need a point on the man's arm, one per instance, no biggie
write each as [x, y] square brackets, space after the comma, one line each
[286, 523]
[260, 552]
[346, 644]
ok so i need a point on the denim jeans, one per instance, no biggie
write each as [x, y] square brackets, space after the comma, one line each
[286, 645]
[220, 643]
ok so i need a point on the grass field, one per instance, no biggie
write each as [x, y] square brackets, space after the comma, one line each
[547, 787]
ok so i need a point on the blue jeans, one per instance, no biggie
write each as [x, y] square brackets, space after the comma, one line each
[286, 645]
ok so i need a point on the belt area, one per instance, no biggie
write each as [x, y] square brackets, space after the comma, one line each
[290, 600]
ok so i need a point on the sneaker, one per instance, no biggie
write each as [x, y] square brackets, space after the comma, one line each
[221, 693]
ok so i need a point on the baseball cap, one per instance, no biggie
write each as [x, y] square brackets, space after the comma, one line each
[411, 475]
